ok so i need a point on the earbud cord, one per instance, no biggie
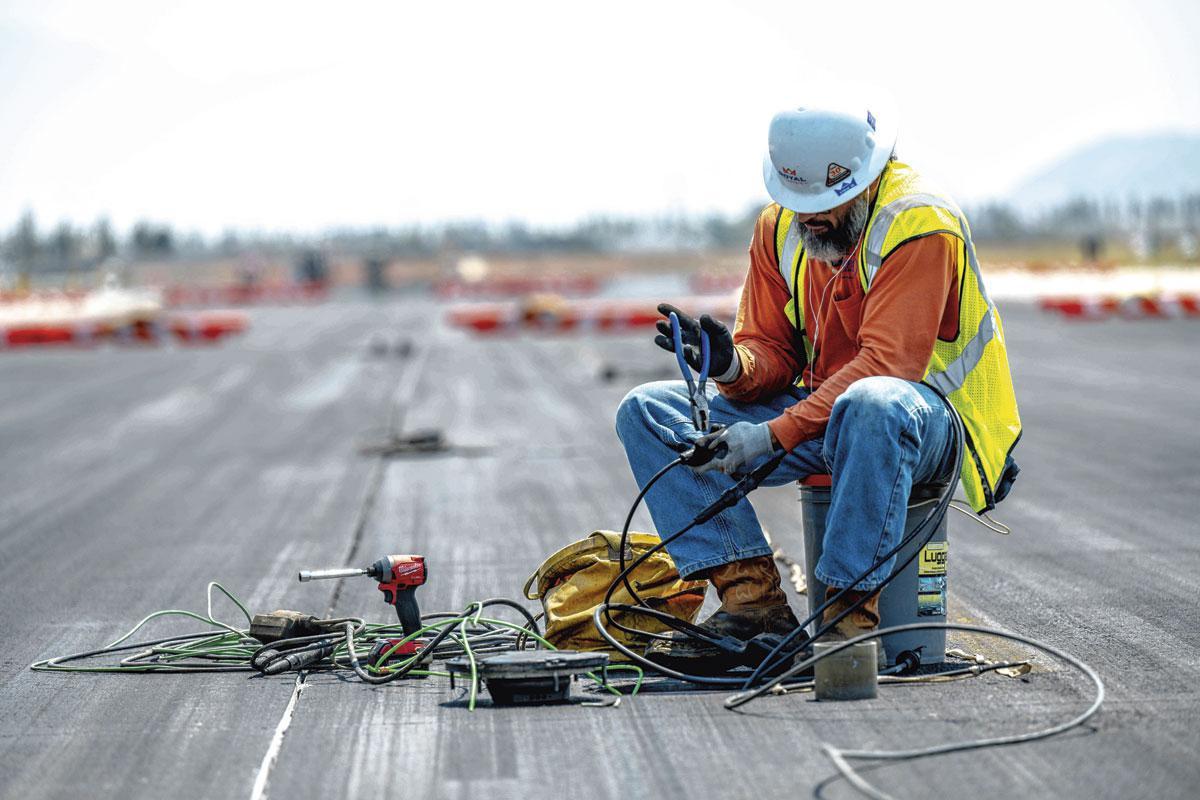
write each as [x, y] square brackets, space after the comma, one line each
[817, 310]
[836, 272]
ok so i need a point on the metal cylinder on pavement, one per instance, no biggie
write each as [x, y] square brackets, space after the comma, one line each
[917, 594]
[849, 674]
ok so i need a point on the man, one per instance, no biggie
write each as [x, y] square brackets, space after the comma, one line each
[863, 309]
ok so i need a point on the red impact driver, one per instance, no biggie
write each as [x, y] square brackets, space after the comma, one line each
[398, 576]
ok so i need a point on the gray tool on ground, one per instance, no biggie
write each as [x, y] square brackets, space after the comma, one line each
[530, 677]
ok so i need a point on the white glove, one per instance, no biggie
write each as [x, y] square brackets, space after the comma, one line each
[746, 442]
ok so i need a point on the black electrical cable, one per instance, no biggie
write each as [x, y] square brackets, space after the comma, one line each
[728, 498]
[413, 661]
[695, 455]
[525, 612]
[637, 501]
[284, 646]
[623, 576]
[486, 635]
[927, 527]
[523, 636]
[432, 645]
[744, 486]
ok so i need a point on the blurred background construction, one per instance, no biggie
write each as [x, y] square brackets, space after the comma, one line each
[246, 249]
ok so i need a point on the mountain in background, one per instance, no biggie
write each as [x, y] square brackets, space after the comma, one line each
[1159, 165]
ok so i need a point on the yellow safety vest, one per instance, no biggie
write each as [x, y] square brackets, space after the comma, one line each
[971, 371]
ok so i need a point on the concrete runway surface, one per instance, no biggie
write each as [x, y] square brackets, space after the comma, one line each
[131, 478]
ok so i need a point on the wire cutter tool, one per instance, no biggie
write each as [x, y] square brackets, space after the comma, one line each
[696, 388]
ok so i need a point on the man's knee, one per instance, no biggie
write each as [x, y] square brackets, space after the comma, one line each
[637, 408]
[877, 406]
[875, 396]
[630, 412]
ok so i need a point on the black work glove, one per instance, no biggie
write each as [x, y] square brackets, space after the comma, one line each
[720, 341]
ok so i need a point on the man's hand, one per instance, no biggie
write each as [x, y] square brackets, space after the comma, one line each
[723, 360]
[747, 442]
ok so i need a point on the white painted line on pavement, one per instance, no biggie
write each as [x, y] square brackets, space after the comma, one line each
[259, 792]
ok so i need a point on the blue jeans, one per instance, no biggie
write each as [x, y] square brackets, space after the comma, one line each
[884, 435]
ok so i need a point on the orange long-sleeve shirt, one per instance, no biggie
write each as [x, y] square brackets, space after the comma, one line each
[890, 331]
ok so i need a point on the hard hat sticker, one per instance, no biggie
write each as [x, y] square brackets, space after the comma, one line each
[789, 174]
[845, 187]
[836, 174]
[871, 120]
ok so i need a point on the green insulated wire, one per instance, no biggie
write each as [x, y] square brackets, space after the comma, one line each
[466, 646]
[208, 619]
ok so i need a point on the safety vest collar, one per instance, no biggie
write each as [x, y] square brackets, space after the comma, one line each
[787, 256]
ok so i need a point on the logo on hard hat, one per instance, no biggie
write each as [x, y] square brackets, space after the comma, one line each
[845, 187]
[790, 174]
[836, 174]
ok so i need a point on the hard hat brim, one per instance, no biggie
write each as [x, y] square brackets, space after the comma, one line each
[816, 202]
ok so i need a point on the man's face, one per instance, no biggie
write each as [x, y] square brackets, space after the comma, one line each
[831, 235]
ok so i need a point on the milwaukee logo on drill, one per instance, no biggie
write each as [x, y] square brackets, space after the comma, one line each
[409, 570]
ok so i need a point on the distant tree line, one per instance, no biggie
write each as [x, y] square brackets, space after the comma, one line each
[65, 247]
[1000, 221]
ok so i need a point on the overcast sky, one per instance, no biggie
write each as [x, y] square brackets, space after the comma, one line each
[289, 116]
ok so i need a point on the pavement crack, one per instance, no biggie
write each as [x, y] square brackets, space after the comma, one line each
[374, 483]
[401, 400]
[396, 409]
[261, 780]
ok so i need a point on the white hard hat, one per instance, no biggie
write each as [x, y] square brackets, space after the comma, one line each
[820, 157]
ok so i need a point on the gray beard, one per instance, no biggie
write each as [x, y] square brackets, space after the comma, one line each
[834, 246]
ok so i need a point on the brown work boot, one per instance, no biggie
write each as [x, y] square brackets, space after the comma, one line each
[752, 602]
[863, 619]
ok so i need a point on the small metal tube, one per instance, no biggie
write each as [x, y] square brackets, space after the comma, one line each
[324, 574]
[849, 674]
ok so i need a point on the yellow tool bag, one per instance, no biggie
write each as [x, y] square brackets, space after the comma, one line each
[573, 581]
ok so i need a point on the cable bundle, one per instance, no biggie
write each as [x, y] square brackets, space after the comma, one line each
[337, 647]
